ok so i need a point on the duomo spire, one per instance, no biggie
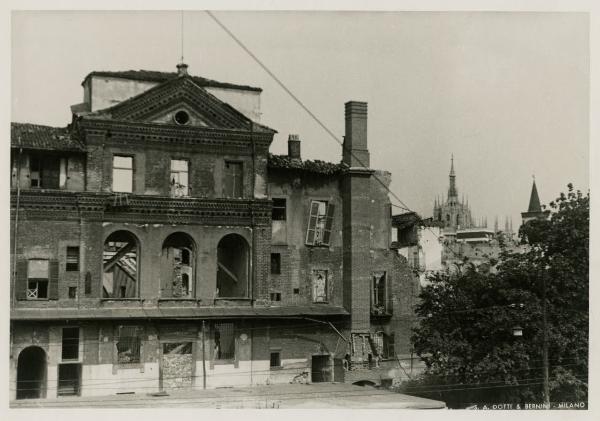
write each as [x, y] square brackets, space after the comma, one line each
[454, 214]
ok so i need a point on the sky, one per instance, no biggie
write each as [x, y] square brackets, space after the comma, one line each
[506, 92]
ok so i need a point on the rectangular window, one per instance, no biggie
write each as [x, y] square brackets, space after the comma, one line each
[275, 263]
[296, 291]
[379, 294]
[72, 259]
[179, 178]
[275, 296]
[45, 171]
[70, 343]
[320, 222]
[319, 285]
[37, 279]
[72, 292]
[224, 341]
[275, 359]
[233, 186]
[129, 342]
[122, 174]
[279, 210]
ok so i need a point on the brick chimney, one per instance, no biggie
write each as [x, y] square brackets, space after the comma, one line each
[294, 146]
[356, 153]
[182, 69]
[356, 224]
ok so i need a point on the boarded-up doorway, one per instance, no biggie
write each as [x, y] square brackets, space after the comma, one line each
[177, 365]
[321, 369]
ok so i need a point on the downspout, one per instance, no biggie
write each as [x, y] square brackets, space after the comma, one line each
[14, 280]
[252, 225]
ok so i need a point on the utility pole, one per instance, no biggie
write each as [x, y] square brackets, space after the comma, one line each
[203, 357]
[545, 343]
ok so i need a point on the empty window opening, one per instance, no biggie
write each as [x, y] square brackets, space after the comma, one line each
[69, 379]
[129, 341]
[320, 222]
[47, 171]
[233, 266]
[379, 294]
[122, 174]
[279, 210]
[72, 292]
[321, 369]
[296, 291]
[37, 279]
[181, 117]
[275, 359]
[275, 263]
[319, 284]
[120, 256]
[275, 296]
[72, 259]
[224, 341]
[234, 180]
[70, 343]
[177, 270]
[179, 178]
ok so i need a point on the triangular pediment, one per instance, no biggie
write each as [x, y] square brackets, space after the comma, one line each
[179, 102]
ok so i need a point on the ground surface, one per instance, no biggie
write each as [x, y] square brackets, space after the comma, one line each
[286, 396]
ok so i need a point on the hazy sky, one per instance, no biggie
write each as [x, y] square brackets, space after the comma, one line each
[507, 93]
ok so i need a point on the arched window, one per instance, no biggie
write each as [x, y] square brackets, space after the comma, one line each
[120, 257]
[233, 266]
[177, 266]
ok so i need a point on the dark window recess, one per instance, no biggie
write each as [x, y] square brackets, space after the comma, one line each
[320, 222]
[88, 283]
[275, 359]
[129, 343]
[296, 291]
[45, 171]
[72, 292]
[279, 210]
[379, 294]
[69, 379]
[72, 259]
[233, 183]
[275, 296]
[224, 341]
[275, 263]
[70, 343]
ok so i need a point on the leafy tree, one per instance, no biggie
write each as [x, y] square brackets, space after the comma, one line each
[465, 336]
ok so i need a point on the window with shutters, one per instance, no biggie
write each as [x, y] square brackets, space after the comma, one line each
[320, 222]
[234, 180]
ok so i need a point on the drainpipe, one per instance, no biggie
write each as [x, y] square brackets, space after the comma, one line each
[203, 356]
[14, 280]
[252, 225]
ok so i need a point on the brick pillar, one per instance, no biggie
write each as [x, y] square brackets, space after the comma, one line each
[356, 228]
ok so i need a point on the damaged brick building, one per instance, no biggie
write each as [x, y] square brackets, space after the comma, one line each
[156, 245]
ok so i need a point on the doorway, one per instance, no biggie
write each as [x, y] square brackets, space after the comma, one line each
[69, 379]
[321, 369]
[31, 373]
[177, 366]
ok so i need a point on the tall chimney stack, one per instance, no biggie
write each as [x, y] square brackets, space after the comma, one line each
[356, 153]
[294, 146]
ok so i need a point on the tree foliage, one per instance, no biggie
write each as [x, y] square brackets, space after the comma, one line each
[466, 338]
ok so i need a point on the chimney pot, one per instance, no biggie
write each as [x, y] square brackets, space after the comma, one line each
[294, 146]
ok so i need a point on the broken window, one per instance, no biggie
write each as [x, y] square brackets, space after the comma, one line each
[379, 294]
[70, 343]
[120, 275]
[72, 259]
[319, 285]
[275, 263]
[224, 341]
[129, 342]
[177, 270]
[122, 174]
[233, 266]
[179, 178]
[320, 222]
[233, 183]
[279, 209]
[47, 171]
[37, 279]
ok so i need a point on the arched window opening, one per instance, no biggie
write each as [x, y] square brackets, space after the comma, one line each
[31, 373]
[177, 266]
[233, 266]
[120, 257]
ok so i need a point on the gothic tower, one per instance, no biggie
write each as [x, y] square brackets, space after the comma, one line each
[453, 213]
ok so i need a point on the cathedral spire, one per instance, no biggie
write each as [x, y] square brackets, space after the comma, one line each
[534, 200]
[452, 191]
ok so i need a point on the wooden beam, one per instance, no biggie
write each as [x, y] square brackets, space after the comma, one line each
[122, 252]
[227, 271]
